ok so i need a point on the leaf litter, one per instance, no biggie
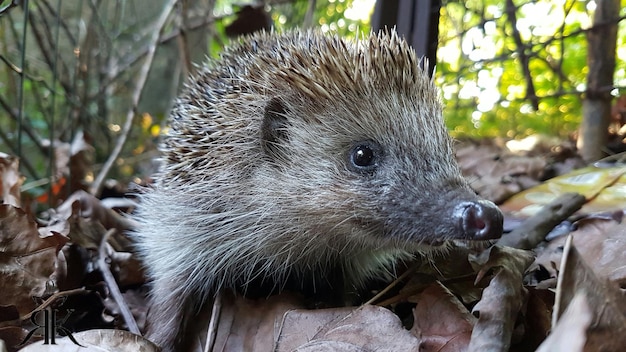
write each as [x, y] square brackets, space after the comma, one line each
[498, 299]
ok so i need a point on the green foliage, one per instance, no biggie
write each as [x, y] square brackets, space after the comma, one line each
[480, 71]
[330, 15]
[101, 47]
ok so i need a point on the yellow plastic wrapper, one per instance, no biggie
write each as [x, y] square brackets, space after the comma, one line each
[603, 187]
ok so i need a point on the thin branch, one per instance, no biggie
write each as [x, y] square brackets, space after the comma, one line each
[511, 10]
[182, 40]
[136, 96]
[114, 289]
[134, 56]
[46, 50]
[63, 24]
[20, 99]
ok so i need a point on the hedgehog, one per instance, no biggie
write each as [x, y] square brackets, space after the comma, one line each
[296, 156]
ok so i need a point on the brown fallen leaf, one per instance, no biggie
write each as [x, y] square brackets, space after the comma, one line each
[602, 244]
[249, 324]
[28, 262]
[606, 301]
[300, 326]
[128, 269]
[569, 334]
[502, 300]
[85, 205]
[11, 337]
[10, 180]
[441, 321]
[367, 328]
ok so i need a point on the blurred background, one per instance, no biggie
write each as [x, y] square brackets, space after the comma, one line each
[85, 85]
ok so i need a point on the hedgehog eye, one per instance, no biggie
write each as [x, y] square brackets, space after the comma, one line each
[364, 156]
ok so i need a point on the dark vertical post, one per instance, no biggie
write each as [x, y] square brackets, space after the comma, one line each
[416, 20]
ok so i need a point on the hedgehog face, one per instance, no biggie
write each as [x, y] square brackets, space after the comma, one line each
[389, 184]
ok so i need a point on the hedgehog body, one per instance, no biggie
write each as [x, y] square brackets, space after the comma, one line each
[296, 154]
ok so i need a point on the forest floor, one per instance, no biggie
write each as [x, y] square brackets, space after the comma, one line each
[554, 281]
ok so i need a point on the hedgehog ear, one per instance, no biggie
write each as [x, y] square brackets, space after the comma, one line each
[273, 127]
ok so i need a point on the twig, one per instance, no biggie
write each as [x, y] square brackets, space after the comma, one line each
[212, 329]
[62, 23]
[20, 99]
[133, 57]
[532, 231]
[14, 149]
[183, 40]
[136, 96]
[521, 51]
[409, 271]
[48, 302]
[45, 43]
[127, 315]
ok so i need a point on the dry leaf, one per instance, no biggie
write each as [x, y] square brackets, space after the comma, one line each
[606, 301]
[502, 300]
[249, 325]
[368, 328]
[569, 334]
[601, 242]
[10, 180]
[12, 336]
[300, 326]
[441, 321]
[27, 261]
[496, 173]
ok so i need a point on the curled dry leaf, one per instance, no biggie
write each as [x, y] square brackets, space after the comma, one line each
[602, 244]
[569, 334]
[10, 180]
[27, 261]
[88, 220]
[93, 208]
[605, 300]
[502, 300]
[441, 321]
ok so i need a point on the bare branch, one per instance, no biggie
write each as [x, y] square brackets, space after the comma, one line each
[511, 11]
[141, 81]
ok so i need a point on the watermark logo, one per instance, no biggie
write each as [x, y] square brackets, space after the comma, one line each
[49, 325]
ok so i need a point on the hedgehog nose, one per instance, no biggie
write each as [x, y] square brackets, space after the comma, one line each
[481, 220]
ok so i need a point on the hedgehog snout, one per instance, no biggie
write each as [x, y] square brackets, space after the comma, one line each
[480, 219]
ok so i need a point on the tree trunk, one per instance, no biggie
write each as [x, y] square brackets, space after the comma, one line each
[601, 41]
